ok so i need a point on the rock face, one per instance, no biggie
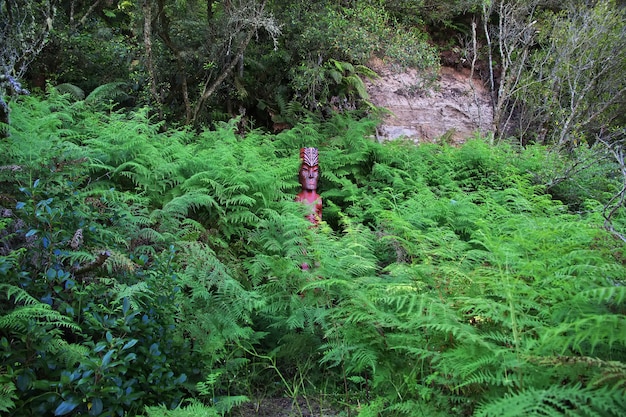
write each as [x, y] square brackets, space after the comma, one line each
[452, 108]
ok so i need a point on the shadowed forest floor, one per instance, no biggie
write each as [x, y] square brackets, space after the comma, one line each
[283, 407]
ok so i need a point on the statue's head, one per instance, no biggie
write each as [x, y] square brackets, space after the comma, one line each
[309, 171]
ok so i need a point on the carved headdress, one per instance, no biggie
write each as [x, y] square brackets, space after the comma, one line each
[309, 156]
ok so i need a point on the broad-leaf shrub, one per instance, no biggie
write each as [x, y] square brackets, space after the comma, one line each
[103, 297]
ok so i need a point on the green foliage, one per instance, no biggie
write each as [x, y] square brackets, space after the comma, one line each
[562, 80]
[367, 30]
[194, 409]
[328, 47]
[102, 277]
[74, 91]
[201, 62]
[161, 272]
[86, 53]
[7, 393]
[113, 91]
[557, 401]
[32, 312]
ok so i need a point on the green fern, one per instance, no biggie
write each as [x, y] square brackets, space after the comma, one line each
[440, 277]
[74, 91]
[589, 332]
[614, 295]
[556, 401]
[193, 409]
[349, 77]
[30, 310]
[211, 301]
[114, 91]
[7, 392]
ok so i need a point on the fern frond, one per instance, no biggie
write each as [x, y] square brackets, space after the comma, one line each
[613, 295]
[22, 317]
[78, 257]
[119, 262]
[336, 76]
[20, 296]
[366, 71]
[225, 403]
[139, 295]
[588, 333]
[114, 91]
[66, 88]
[611, 374]
[240, 217]
[18, 319]
[356, 83]
[7, 393]
[193, 409]
[68, 353]
[555, 401]
[192, 200]
[413, 408]
[357, 357]
[150, 235]
[374, 409]
[342, 66]
[606, 373]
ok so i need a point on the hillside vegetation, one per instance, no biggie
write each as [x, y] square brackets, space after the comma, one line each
[151, 249]
[143, 271]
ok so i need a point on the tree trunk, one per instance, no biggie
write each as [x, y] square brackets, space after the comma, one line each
[147, 40]
[164, 34]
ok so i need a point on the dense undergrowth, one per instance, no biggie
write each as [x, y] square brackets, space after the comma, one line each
[145, 270]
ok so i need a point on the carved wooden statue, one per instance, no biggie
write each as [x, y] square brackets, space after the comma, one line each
[309, 174]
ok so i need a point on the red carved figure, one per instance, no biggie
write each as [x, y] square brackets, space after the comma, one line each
[309, 174]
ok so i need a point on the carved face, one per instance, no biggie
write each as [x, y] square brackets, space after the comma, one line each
[308, 177]
[309, 171]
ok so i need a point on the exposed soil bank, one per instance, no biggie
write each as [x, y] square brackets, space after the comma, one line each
[453, 107]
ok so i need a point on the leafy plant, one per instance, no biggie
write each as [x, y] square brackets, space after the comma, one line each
[192, 409]
[161, 272]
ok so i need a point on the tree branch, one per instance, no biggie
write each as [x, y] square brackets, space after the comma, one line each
[208, 90]
[83, 20]
[616, 147]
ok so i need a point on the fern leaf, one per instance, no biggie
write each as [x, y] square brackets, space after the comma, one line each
[138, 295]
[588, 333]
[355, 82]
[225, 404]
[192, 200]
[336, 76]
[113, 91]
[68, 353]
[66, 88]
[17, 320]
[614, 295]
[366, 71]
[7, 393]
[555, 401]
[193, 409]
